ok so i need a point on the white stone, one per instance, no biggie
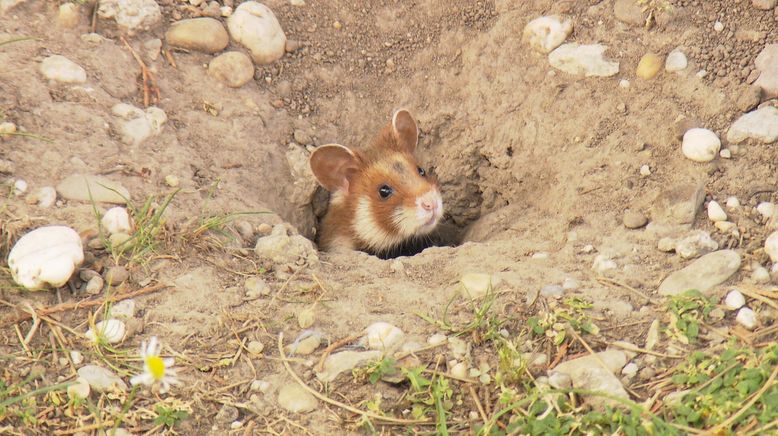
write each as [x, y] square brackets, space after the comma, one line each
[761, 124]
[124, 309]
[20, 187]
[766, 209]
[734, 300]
[726, 226]
[383, 336]
[771, 246]
[255, 347]
[630, 370]
[733, 203]
[112, 330]
[760, 275]
[716, 212]
[458, 369]
[85, 187]
[588, 60]
[725, 153]
[476, 285]
[6, 128]
[747, 318]
[603, 263]
[702, 73]
[338, 363]
[624, 83]
[131, 15]
[700, 145]
[645, 170]
[718, 26]
[76, 357]
[45, 197]
[280, 247]
[95, 285]
[46, 255]
[116, 220]
[172, 180]
[61, 69]
[101, 379]
[79, 389]
[437, 339]
[138, 125]
[547, 33]
[260, 386]
[676, 61]
[254, 26]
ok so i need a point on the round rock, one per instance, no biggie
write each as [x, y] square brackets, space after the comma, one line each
[676, 61]
[634, 219]
[295, 399]
[254, 26]
[700, 145]
[61, 69]
[649, 66]
[46, 255]
[206, 35]
[234, 69]
[547, 33]
[716, 212]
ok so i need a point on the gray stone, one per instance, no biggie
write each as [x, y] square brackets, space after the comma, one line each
[82, 187]
[280, 247]
[761, 124]
[588, 373]
[679, 204]
[61, 69]
[234, 69]
[345, 361]
[702, 274]
[206, 35]
[695, 244]
[101, 379]
[588, 60]
[116, 275]
[749, 98]
[131, 15]
[304, 183]
[294, 398]
[552, 291]
[226, 415]
[629, 12]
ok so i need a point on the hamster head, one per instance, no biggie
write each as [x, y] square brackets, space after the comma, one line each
[381, 196]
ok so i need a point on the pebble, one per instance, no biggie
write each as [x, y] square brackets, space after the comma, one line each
[95, 285]
[79, 389]
[702, 274]
[255, 347]
[124, 309]
[44, 197]
[118, 239]
[254, 26]
[544, 34]
[716, 212]
[766, 64]
[131, 15]
[765, 5]
[732, 203]
[256, 287]
[92, 188]
[570, 284]
[588, 373]
[649, 66]
[337, 363]
[437, 339]
[603, 263]
[68, 15]
[700, 145]
[550, 291]
[725, 154]
[771, 246]
[676, 61]
[282, 248]
[718, 26]
[476, 285]
[112, 330]
[766, 209]
[383, 336]
[225, 11]
[624, 83]
[226, 414]
[260, 386]
[203, 34]
[747, 318]
[760, 275]
[749, 98]
[645, 170]
[116, 275]
[761, 124]
[734, 300]
[634, 219]
[172, 181]
[726, 226]
[61, 69]
[6, 128]
[234, 69]
[458, 369]
[697, 243]
[45, 256]
[306, 345]
[76, 357]
[116, 220]
[588, 60]
[20, 187]
[630, 370]
[652, 337]
[136, 125]
[101, 379]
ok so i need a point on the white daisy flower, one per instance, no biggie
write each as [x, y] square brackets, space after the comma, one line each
[155, 368]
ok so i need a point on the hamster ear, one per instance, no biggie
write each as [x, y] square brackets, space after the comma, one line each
[333, 165]
[405, 130]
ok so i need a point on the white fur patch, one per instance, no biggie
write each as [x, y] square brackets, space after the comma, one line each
[368, 230]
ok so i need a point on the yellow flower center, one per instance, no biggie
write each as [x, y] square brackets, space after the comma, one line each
[156, 366]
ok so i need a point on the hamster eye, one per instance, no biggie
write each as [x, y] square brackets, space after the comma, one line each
[385, 191]
[422, 172]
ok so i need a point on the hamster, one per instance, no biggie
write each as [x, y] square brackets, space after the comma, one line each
[381, 199]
